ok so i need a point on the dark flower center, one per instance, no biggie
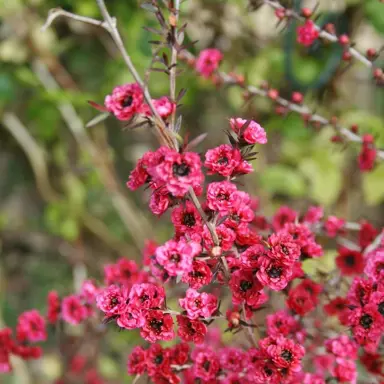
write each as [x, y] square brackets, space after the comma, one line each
[285, 250]
[127, 102]
[245, 285]
[189, 219]
[158, 359]
[156, 324]
[268, 371]
[349, 260]
[144, 298]
[223, 160]
[222, 196]
[206, 365]
[366, 321]
[180, 169]
[287, 355]
[115, 301]
[380, 308]
[275, 272]
[175, 257]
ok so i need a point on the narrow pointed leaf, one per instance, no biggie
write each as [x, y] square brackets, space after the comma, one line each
[97, 119]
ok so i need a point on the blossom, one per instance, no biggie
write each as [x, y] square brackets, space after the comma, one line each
[112, 300]
[375, 266]
[283, 216]
[89, 291]
[333, 225]
[53, 311]
[307, 33]
[304, 297]
[177, 256]
[191, 330]
[178, 171]
[136, 364]
[73, 310]
[281, 323]
[244, 287]
[146, 296]
[31, 327]
[232, 359]
[158, 326]
[225, 160]
[124, 272]
[164, 106]
[349, 262]
[367, 234]
[254, 133]
[226, 237]
[220, 196]
[199, 275]
[157, 359]
[313, 215]
[186, 218]
[283, 247]
[125, 101]
[345, 371]
[273, 273]
[368, 153]
[198, 304]
[6, 344]
[206, 363]
[208, 61]
[342, 346]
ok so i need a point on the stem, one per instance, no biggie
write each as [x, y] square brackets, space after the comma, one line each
[325, 35]
[114, 32]
[172, 76]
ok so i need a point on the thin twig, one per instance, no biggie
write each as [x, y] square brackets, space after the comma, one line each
[301, 109]
[36, 157]
[134, 222]
[172, 75]
[324, 34]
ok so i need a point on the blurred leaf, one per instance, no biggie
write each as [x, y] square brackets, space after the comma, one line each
[25, 75]
[76, 193]
[324, 264]
[7, 88]
[291, 126]
[307, 68]
[324, 177]
[282, 179]
[373, 185]
[374, 11]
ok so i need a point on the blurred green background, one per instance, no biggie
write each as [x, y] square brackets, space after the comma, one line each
[64, 208]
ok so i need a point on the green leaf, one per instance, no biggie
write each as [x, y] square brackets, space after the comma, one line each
[373, 185]
[7, 88]
[374, 11]
[282, 179]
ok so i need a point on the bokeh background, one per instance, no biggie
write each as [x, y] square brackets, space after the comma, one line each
[64, 208]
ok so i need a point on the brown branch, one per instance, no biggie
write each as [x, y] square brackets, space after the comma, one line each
[301, 109]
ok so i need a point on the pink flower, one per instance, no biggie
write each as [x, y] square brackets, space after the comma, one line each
[281, 323]
[178, 171]
[136, 364]
[131, 319]
[284, 248]
[177, 256]
[208, 61]
[146, 296]
[285, 353]
[342, 346]
[89, 291]
[112, 300]
[375, 266]
[232, 359]
[283, 216]
[198, 304]
[367, 156]
[53, 310]
[206, 364]
[5, 349]
[219, 196]
[199, 275]
[254, 133]
[31, 327]
[245, 287]
[164, 106]
[333, 226]
[191, 330]
[273, 273]
[73, 310]
[304, 297]
[224, 160]
[160, 201]
[345, 371]
[186, 219]
[125, 101]
[307, 33]
[158, 326]
[313, 215]
[226, 237]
